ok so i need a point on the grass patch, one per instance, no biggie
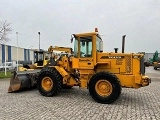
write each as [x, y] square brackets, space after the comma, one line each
[2, 75]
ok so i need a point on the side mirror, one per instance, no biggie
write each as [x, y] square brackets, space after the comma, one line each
[72, 36]
[71, 39]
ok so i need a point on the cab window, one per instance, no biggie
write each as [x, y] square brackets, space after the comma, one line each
[86, 46]
[98, 39]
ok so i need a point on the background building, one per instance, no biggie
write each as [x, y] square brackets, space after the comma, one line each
[24, 55]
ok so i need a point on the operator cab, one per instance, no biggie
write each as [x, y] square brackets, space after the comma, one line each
[86, 45]
[40, 56]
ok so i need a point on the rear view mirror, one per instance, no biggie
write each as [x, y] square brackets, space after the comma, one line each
[71, 39]
[72, 36]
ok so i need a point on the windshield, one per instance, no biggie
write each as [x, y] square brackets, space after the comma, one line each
[98, 39]
[38, 56]
[85, 46]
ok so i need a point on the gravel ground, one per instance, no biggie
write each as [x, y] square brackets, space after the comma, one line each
[77, 104]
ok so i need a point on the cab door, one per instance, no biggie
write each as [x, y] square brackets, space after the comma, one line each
[86, 58]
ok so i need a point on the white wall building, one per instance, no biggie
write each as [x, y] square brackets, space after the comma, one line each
[26, 55]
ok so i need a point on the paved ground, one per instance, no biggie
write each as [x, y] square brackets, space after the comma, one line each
[133, 104]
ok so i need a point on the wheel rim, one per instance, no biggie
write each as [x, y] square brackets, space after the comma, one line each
[103, 88]
[47, 83]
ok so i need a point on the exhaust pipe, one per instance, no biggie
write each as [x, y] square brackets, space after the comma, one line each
[116, 50]
[123, 43]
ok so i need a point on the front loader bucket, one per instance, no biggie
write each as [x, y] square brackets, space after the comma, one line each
[22, 80]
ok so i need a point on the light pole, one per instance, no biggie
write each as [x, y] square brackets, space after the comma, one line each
[30, 48]
[5, 50]
[39, 40]
[17, 49]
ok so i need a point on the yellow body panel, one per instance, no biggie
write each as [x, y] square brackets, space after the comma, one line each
[125, 66]
[23, 69]
[75, 62]
[67, 79]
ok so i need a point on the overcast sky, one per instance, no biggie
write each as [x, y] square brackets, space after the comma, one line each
[139, 20]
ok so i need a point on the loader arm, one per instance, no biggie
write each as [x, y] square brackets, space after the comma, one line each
[56, 48]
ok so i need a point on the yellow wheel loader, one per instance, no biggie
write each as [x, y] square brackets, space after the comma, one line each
[25, 77]
[156, 65]
[102, 73]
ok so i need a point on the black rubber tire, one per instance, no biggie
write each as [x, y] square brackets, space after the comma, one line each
[66, 87]
[56, 79]
[116, 87]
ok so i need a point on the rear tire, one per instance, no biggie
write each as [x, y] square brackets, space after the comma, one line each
[49, 82]
[104, 87]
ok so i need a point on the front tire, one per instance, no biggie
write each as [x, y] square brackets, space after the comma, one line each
[104, 87]
[49, 82]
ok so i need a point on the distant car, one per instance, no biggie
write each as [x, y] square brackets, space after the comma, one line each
[147, 63]
[9, 66]
[156, 66]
